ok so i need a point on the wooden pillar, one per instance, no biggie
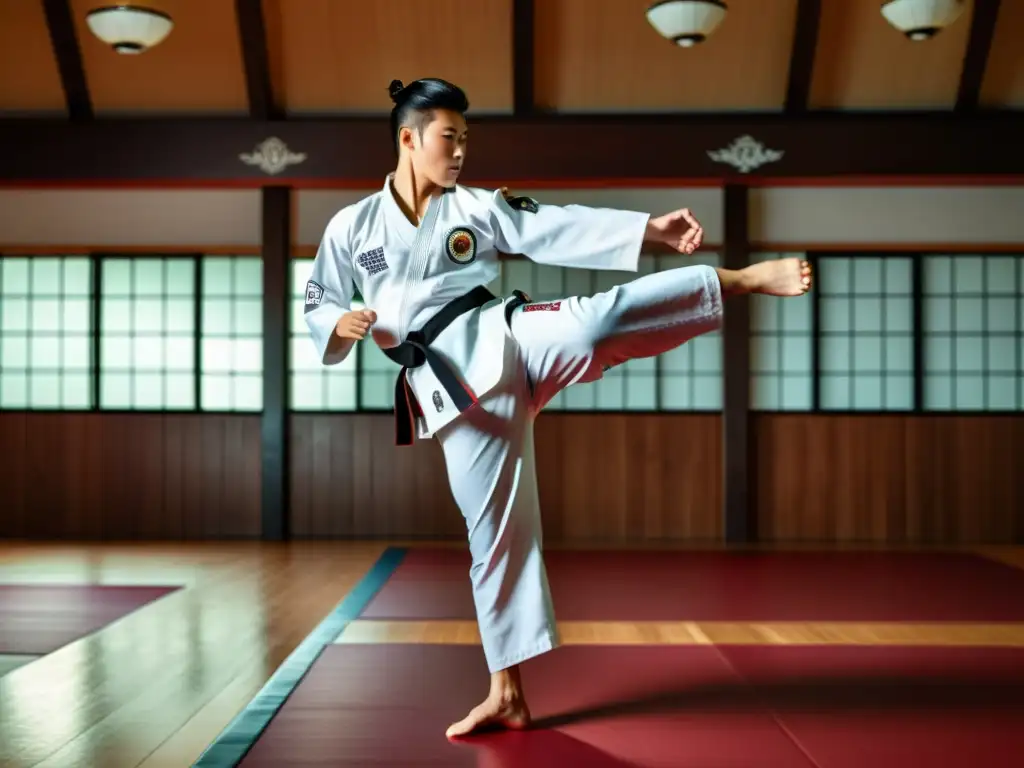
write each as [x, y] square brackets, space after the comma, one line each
[276, 209]
[740, 522]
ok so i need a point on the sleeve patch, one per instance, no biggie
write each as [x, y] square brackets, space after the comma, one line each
[314, 295]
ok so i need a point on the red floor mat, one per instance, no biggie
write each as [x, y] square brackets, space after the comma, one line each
[727, 586]
[888, 707]
[601, 707]
[647, 706]
[38, 619]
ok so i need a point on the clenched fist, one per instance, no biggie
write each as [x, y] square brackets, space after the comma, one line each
[679, 230]
[354, 325]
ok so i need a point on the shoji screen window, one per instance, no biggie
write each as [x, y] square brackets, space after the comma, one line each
[147, 333]
[46, 359]
[973, 332]
[232, 333]
[865, 346]
[781, 349]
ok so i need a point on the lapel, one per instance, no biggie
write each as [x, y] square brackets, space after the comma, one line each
[419, 240]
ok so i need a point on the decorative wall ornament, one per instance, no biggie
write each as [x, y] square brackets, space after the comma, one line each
[272, 156]
[745, 154]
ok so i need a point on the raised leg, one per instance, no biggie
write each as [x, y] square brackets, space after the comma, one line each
[574, 340]
[490, 461]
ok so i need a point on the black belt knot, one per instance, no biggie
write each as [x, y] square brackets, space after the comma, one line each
[415, 351]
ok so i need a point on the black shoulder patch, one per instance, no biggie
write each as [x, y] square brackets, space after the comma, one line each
[527, 204]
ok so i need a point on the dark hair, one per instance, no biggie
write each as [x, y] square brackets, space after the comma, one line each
[415, 103]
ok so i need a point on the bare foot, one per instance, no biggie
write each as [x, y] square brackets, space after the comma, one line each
[779, 277]
[506, 712]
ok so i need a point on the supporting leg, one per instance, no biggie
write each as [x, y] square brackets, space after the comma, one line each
[490, 461]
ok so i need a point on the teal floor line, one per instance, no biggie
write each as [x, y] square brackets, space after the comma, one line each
[235, 741]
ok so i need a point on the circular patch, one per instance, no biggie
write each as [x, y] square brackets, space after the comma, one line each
[460, 245]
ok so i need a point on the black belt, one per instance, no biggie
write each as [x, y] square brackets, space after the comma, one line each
[415, 351]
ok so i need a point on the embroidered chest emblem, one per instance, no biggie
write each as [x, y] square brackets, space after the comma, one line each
[372, 261]
[460, 245]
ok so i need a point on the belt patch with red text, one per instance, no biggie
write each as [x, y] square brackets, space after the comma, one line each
[546, 306]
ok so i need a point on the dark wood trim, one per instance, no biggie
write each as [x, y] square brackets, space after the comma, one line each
[95, 335]
[276, 210]
[801, 58]
[61, 24]
[983, 28]
[813, 258]
[522, 57]
[252, 34]
[544, 150]
[738, 514]
[917, 317]
[198, 313]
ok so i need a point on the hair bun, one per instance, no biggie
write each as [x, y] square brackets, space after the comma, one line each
[395, 88]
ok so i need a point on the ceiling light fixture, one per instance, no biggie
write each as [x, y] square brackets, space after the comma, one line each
[129, 28]
[922, 19]
[686, 22]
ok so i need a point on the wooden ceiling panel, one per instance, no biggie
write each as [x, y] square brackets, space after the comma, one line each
[862, 62]
[197, 69]
[604, 56]
[29, 79]
[329, 56]
[1003, 84]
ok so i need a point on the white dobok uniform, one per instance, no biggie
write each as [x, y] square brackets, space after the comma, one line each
[511, 369]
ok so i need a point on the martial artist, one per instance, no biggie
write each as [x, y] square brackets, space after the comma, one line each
[477, 369]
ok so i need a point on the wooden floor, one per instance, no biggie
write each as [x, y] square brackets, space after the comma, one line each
[154, 688]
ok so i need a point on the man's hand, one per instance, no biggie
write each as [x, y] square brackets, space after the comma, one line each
[679, 230]
[355, 325]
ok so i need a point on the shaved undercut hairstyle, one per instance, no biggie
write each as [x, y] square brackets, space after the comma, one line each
[415, 103]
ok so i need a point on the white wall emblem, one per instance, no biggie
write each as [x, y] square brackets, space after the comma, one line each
[745, 154]
[272, 156]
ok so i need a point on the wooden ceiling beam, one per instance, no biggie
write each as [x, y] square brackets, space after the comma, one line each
[979, 43]
[577, 150]
[522, 57]
[61, 25]
[801, 59]
[252, 33]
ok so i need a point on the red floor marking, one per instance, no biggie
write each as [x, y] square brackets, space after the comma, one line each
[39, 619]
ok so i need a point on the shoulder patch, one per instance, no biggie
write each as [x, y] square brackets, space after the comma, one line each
[527, 204]
[314, 295]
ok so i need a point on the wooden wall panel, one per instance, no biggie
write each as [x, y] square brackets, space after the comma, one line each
[602, 477]
[626, 478]
[890, 478]
[129, 476]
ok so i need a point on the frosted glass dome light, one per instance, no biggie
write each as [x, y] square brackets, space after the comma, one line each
[129, 28]
[686, 22]
[922, 19]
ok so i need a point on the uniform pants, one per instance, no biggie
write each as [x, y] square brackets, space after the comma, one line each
[489, 452]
